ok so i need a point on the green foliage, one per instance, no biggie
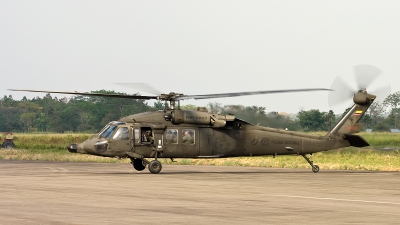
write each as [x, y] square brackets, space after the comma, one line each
[342, 159]
[257, 115]
[215, 107]
[393, 101]
[313, 120]
[383, 139]
[189, 107]
[77, 113]
[375, 116]
[90, 113]
[10, 118]
[382, 127]
[41, 141]
[252, 114]
[159, 105]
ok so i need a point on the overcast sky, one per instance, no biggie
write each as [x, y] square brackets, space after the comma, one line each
[198, 47]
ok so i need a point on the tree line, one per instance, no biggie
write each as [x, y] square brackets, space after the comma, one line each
[76, 114]
[90, 113]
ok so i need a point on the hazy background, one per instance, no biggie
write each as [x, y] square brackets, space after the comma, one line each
[198, 47]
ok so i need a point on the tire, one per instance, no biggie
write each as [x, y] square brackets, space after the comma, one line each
[155, 166]
[8, 144]
[138, 164]
[315, 168]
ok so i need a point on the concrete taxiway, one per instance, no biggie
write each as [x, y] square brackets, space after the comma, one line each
[33, 192]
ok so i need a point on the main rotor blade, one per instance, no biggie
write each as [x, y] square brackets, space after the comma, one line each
[142, 87]
[235, 94]
[365, 75]
[91, 94]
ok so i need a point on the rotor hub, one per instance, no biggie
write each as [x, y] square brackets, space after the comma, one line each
[172, 96]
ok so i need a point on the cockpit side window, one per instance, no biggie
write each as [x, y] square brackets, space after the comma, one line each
[121, 134]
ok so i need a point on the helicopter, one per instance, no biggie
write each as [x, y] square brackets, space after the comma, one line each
[176, 133]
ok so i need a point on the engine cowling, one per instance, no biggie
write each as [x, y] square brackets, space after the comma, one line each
[200, 117]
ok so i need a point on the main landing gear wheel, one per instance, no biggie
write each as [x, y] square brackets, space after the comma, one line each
[155, 166]
[315, 168]
[138, 164]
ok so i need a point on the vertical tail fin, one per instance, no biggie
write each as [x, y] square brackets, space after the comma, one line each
[350, 123]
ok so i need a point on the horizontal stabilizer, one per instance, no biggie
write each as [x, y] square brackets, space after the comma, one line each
[356, 141]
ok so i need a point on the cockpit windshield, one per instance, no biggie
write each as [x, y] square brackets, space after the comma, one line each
[103, 129]
[109, 129]
[107, 133]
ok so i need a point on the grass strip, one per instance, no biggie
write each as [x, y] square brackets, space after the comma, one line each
[52, 147]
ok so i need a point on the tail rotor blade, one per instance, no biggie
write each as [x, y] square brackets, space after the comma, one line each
[342, 93]
[365, 75]
[382, 92]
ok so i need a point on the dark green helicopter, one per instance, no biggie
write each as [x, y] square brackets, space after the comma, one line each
[176, 133]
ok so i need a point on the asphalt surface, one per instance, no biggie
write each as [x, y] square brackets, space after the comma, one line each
[35, 192]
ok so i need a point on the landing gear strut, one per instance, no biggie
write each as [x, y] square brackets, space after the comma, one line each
[315, 168]
[140, 163]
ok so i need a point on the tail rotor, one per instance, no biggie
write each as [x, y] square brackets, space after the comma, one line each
[367, 77]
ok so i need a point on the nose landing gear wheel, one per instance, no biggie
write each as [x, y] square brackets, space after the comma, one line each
[155, 166]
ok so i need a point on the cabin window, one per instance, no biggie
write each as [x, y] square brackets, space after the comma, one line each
[147, 135]
[171, 136]
[188, 136]
[121, 134]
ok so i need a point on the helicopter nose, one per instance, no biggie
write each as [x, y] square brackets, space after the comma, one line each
[73, 148]
[76, 148]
